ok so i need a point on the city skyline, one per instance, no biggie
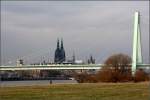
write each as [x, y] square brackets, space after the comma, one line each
[88, 28]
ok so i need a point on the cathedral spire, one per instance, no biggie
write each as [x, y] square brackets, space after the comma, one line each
[57, 43]
[62, 44]
[73, 58]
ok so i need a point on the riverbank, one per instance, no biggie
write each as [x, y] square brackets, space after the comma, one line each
[85, 91]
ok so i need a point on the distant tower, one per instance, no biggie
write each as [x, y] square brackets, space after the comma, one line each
[56, 59]
[91, 60]
[73, 58]
[62, 52]
[59, 53]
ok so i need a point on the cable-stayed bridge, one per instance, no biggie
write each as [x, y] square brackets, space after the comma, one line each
[137, 61]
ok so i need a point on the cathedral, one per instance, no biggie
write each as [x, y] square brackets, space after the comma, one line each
[59, 53]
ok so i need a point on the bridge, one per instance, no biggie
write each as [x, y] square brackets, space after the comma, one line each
[137, 61]
[63, 67]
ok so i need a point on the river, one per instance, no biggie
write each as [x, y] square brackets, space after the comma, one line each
[35, 82]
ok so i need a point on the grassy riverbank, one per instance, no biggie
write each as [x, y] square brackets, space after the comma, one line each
[92, 91]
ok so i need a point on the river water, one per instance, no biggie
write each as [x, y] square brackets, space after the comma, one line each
[35, 82]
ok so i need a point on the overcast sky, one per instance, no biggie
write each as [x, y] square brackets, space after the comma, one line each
[29, 29]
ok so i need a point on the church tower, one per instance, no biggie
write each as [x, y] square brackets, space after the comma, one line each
[59, 53]
[56, 59]
[63, 57]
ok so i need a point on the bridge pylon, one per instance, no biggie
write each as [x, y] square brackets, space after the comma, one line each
[137, 49]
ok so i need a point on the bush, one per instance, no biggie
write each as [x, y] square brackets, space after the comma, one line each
[92, 79]
[80, 77]
[140, 75]
[104, 75]
[86, 78]
[111, 75]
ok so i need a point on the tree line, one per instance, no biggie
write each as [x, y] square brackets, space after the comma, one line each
[117, 69]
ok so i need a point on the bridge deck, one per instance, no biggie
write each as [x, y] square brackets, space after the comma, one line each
[61, 67]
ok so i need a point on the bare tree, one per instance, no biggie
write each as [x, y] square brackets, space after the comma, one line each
[117, 68]
[119, 62]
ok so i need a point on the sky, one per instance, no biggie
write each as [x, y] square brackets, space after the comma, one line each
[30, 29]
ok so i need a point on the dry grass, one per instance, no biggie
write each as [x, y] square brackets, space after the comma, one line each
[85, 91]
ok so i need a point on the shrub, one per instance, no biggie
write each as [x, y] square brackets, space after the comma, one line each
[104, 75]
[110, 75]
[85, 78]
[140, 75]
[92, 79]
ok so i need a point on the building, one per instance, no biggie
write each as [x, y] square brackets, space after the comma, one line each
[59, 53]
[91, 60]
[20, 62]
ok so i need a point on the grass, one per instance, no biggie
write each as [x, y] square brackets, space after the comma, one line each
[91, 91]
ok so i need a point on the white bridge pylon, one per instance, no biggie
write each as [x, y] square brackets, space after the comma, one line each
[137, 49]
[136, 57]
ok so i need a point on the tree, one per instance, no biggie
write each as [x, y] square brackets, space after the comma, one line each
[117, 68]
